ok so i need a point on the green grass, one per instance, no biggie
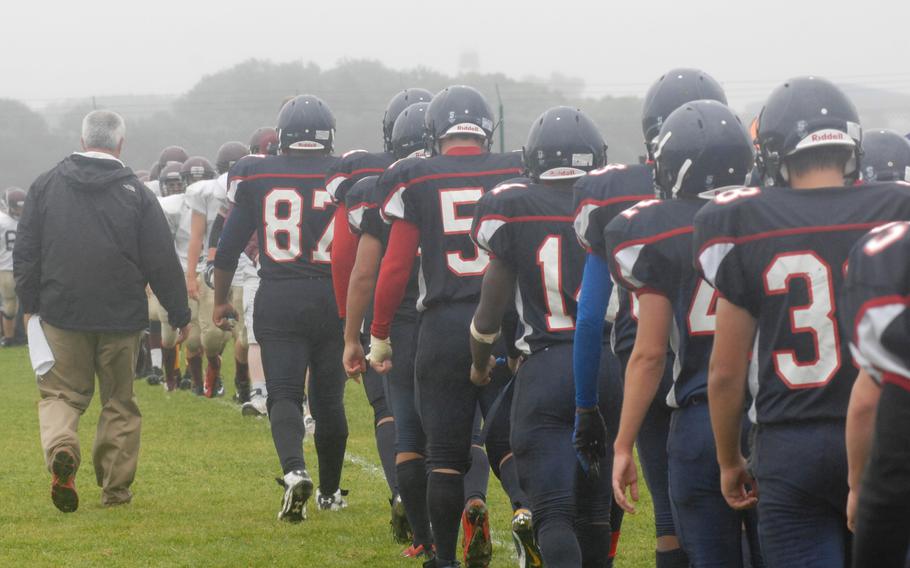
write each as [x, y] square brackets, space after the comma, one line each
[205, 493]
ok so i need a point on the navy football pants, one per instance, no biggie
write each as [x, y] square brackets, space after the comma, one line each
[801, 471]
[710, 531]
[297, 326]
[564, 502]
[409, 436]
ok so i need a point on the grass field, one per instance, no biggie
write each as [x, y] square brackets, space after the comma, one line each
[205, 493]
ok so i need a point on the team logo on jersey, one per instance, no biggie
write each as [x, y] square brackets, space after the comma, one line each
[128, 187]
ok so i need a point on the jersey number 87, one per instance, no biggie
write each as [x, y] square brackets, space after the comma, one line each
[282, 212]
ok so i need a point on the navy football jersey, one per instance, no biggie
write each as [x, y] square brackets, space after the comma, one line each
[599, 197]
[529, 227]
[873, 309]
[351, 167]
[294, 212]
[781, 254]
[650, 248]
[439, 195]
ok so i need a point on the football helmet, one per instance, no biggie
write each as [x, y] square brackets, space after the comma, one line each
[228, 154]
[458, 110]
[805, 113]
[12, 200]
[675, 88]
[154, 171]
[396, 106]
[563, 144]
[702, 146]
[306, 123]
[264, 141]
[196, 169]
[886, 156]
[170, 180]
[172, 154]
[408, 132]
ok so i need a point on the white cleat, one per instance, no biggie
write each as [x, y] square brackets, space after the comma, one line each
[334, 502]
[298, 487]
[256, 406]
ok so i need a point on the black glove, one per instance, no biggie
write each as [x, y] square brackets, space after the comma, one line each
[590, 439]
[208, 275]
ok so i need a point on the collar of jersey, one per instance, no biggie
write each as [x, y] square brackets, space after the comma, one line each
[464, 151]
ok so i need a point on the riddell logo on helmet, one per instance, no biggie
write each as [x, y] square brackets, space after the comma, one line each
[825, 137]
[828, 136]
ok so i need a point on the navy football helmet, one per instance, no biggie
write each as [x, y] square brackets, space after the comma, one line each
[172, 154]
[12, 201]
[306, 123]
[408, 132]
[196, 169]
[702, 146]
[458, 111]
[228, 154]
[563, 144]
[886, 156]
[805, 113]
[170, 180]
[264, 141]
[396, 106]
[675, 88]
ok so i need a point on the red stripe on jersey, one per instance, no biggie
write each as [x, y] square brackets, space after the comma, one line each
[655, 238]
[279, 176]
[612, 201]
[894, 299]
[642, 291]
[793, 231]
[450, 175]
[521, 219]
[896, 380]
[361, 171]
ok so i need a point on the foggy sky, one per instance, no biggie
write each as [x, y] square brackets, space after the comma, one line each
[57, 49]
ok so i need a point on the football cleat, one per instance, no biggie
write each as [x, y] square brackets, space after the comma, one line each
[219, 387]
[185, 383]
[415, 551]
[309, 423]
[525, 543]
[476, 542]
[334, 502]
[256, 406]
[401, 529]
[63, 485]
[155, 377]
[298, 487]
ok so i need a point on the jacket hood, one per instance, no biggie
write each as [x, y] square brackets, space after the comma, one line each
[92, 174]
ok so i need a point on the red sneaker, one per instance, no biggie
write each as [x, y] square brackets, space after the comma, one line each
[476, 542]
[63, 486]
[413, 551]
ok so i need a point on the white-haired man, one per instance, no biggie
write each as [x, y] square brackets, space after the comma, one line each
[90, 239]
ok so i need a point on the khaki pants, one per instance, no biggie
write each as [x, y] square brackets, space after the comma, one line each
[8, 294]
[66, 391]
[154, 307]
[213, 338]
[169, 334]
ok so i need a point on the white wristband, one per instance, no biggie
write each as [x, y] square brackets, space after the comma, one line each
[488, 338]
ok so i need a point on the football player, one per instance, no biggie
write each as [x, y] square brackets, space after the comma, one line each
[282, 198]
[11, 202]
[599, 197]
[886, 156]
[431, 204]
[264, 141]
[168, 154]
[207, 198]
[178, 215]
[352, 167]
[701, 147]
[874, 317]
[526, 227]
[777, 255]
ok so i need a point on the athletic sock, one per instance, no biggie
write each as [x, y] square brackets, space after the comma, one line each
[385, 445]
[330, 451]
[675, 558]
[478, 476]
[445, 498]
[286, 420]
[169, 355]
[594, 540]
[241, 374]
[195, 366]
[508, 478]
[157, 357]
[412, 487]
[261, 386]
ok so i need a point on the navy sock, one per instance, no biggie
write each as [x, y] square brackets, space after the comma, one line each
[445, 498]
[412, 486]
[478, 476]
[385, 445]
[286, 419]
[508, 478]
[676, 558]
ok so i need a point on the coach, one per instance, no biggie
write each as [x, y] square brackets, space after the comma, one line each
[91, 237]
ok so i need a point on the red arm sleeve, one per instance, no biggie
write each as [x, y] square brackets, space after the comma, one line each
[344, 251]
[393, 275]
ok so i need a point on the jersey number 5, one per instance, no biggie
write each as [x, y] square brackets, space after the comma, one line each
[282, 212]
[454, 224]
[817, 318]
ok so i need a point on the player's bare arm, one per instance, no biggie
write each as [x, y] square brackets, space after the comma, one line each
[194, 250]
[733, 339]
[860, 428]
[646, 367]
[360, 292]
[495, 296]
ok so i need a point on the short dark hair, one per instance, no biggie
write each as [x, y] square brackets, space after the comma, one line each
[822, 158]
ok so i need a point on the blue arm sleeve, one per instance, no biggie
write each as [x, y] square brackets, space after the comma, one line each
[596, 287]
[236, 234]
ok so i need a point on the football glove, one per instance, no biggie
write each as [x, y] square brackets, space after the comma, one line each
[380, 350]
[590, 438]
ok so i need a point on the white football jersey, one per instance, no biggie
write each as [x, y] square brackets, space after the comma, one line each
[153, 185]
[179, 216]
[7, 240]
[208, 197]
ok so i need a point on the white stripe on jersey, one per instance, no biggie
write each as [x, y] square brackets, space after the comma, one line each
[874, 356]
[486, 230]
[711, 259]
[626, 259]
[582, 221]
[753, 379]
